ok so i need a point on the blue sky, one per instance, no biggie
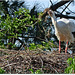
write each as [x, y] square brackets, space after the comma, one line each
[42, 4]
[46, 3]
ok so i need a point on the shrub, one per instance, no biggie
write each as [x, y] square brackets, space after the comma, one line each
[36, 72]
[71, 65]
[43, 46]
[2, 71]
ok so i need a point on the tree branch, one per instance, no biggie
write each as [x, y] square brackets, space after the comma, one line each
[56, 6]
[51, 2]
[64, 16]
[66, 6]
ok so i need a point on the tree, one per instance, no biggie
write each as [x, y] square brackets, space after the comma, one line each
[8, 7]
[56, 6]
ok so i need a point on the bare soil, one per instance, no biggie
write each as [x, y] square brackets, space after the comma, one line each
[19, 62]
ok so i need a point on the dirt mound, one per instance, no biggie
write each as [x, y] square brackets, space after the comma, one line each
[19, 62]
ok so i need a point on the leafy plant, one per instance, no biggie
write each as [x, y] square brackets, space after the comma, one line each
[2, 71]
[71, 65]
[12, 28]
[43, 46]
[36, 72]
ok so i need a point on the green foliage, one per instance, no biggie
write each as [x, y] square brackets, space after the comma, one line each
[71, 65]
[8, 6]
[32, 71]
[2, 71]
[13, 27]
[23, 23]
[43, 46]
[32, 46]
[20, 25]
[36, 72]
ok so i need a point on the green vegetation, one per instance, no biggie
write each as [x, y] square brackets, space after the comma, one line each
[20, 28]
[12, 28]
[42, 46]
[36, 72]
[2, 71]
[71, 65]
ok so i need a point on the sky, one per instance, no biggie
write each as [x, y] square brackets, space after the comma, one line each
[45, 3]
[41, 3]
